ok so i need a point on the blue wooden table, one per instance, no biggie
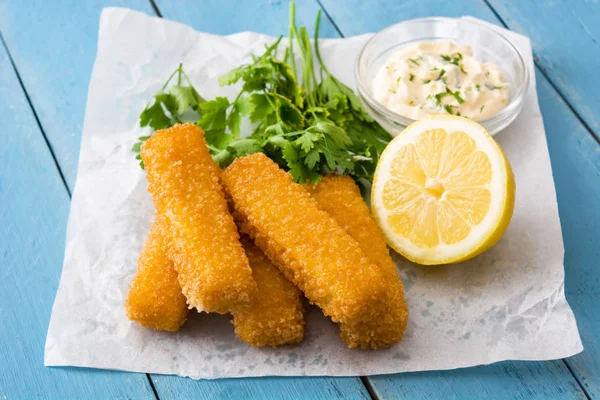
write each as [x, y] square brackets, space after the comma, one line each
[46, 57]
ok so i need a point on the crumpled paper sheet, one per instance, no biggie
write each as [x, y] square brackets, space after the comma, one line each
[507, 304]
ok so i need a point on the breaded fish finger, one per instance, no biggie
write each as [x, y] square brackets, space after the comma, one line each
[155, 299]
[276, 315]
[183, 180]
[340, 197]
[305, 243]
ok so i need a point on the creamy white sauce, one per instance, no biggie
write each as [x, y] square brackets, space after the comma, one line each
[440, 78]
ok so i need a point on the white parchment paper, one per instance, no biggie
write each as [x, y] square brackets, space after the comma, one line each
[508, 303]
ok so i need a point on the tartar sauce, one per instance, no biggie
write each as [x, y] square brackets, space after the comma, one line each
[437, 78]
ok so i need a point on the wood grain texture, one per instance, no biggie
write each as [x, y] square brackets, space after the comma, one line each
[565, 36]
[272, 388]
[575, 157]
[56, 70]
[224, 17]
[515, 380]
[34, 207]
[575, 160]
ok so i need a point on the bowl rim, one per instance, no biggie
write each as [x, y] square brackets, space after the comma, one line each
[512, 106]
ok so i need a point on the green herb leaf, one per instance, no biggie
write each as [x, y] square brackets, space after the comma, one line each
[186, 97]
[162, 113]
[214, 114]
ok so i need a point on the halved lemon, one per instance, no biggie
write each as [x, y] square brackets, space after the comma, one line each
[443, 191]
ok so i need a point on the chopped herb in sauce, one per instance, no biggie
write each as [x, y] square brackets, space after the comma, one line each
[481, 109]
[452, 60]
[448, 89]
[442, 72]
[412, 60]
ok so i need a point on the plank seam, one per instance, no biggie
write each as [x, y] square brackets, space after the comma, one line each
[47, 141]
[330, 18]
[369, 387]
[152, 386]
[35, 115]
[591, 132]
[581, 384]
[545, 73]
[155, 7]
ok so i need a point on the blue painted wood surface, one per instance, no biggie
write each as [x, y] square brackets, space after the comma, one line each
[34, 207]
[272, 388]
[58, 88]
[515, 380]
[56, 71]
[60, 104]
[565, 36]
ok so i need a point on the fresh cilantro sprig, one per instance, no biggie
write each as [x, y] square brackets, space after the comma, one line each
[172, 104]
[310, 128]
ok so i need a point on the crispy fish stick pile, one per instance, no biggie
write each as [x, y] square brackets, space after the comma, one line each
[276, 315]
[305, 243]
[183, 180]
[155, 299]
[341, 198]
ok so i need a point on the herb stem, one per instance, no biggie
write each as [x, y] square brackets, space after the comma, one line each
[292, 24]
[317, 52]
[170, 77]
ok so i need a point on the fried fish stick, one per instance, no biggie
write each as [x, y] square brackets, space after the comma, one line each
[183, 180]
[155, 299]
[340, 197]
[276, 315]
[305, 243]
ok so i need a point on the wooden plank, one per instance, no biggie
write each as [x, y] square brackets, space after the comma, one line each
[34, 206]
[224, 17]
[574, 155]
[271, 388]
[62, 109]
[566, 42]
[515, 380]
[56, 71]
[264, 16]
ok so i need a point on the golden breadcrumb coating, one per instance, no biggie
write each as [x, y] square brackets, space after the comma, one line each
[183, 180]
[155, 299]
[305, 243]
[341, 198]
[276, 316]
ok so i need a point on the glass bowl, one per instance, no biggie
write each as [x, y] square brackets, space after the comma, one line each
[487, 45]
